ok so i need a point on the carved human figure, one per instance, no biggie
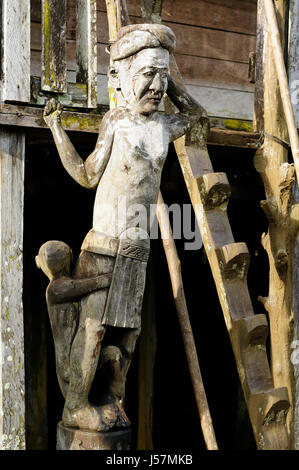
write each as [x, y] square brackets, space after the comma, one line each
[63, 293]
[125, 169]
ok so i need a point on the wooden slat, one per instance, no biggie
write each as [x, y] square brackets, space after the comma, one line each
[229, 15]
[194, 69]
[195, 41]
[53, 46]
[12, 386]
[86, 42]
[15, 57]
[11, 115]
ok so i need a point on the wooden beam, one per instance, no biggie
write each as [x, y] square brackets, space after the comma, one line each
[293, 62]
[278, 58]
[25, 116]
[53, 71]
[87, 48]
[258, 120]
[15, 56]
[12, 386]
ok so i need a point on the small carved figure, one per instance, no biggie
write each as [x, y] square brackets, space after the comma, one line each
[63, 293]
[125, 169]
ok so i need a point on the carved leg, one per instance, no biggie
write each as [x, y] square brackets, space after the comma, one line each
[119, 356]
[85, 352]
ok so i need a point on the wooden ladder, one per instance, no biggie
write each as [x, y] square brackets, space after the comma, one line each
[209, 193]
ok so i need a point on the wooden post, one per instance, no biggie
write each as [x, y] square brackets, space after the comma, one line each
[87, 48]
[293, 72]
[151, 11]
[174, 266]
[271, 161]
[15, 57]
[293, 69]
[53, 74]
[276, 39]
[258, 119]
[12, 386]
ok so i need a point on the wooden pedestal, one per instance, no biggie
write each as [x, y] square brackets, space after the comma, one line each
[78, 439]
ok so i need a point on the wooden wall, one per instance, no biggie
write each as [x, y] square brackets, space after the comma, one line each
[214, 39]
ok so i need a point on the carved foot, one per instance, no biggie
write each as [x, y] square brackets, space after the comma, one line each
[122, 419]
[91, 418]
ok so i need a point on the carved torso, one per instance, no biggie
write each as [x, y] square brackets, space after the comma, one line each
[133, 172]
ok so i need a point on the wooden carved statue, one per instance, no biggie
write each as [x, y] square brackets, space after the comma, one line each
[125, 170]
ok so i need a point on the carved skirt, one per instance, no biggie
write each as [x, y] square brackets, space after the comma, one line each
[131, 252]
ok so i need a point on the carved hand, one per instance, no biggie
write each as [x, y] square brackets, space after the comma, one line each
[52, 112]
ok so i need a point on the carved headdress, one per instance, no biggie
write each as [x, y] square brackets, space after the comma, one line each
[133, 38]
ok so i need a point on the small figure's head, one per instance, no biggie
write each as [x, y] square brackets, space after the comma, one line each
[140, 61]
[54, 259]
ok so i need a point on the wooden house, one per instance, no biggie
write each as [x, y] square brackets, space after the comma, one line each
[59, 48]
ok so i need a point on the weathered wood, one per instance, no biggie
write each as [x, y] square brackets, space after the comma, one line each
[53, 70]
[12, 115]
[271, 161]
[267, 406]
[25, 116]
[151, 11]
[220, 14]
[293, 62]
[217, 71]
[15, 54]
[76, 96]
[174, 267]
[78, 439]
[278, 57]
[12, 386]
[259, 68]
[87, 49]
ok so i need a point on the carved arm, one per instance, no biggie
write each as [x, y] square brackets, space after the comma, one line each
[69, 289]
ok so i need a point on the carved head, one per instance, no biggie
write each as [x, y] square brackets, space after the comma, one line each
[139, 65]
[54, 259]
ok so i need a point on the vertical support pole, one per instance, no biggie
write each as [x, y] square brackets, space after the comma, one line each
[53, 74]
[151, 10]
[258, 120]
[87, 48]
[15, 45]
[12, 387]
[294, 57]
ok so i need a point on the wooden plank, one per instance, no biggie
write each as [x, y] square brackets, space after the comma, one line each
[53, 46]
[25, 116]
[15, 57]
[199, 69]
[197, 41]
[87, 48]
[228, 15]
[259, 67]
[12, 387]
[294, 57]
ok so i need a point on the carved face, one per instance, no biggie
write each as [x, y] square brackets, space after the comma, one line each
[144, 82]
